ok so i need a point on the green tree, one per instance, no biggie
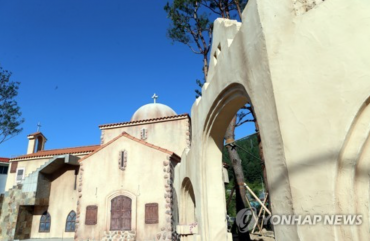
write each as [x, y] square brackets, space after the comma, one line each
[191, 26]
[10, 115]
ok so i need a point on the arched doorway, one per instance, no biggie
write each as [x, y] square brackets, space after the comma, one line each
[203, 162]
[120, 213]
[229, 101]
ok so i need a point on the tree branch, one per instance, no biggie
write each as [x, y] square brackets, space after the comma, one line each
[241, 123]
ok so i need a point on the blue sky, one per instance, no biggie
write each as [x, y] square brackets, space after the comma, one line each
[85, 63]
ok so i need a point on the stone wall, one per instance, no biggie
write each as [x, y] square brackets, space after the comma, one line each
[119, 236]
[24, 222]
[13, 199]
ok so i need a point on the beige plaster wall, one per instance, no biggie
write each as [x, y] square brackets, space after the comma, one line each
[30, 166]
[306, 73]
[172, 135]
[143, 179]
[63, 199]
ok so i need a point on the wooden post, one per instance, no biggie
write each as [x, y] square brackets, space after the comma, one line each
[257, 199]
[259, 214]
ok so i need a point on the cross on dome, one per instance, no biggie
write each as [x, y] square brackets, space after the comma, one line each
[155, 97]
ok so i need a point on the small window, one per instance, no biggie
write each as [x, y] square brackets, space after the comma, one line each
[3, 170]
[20, 175]
[144, 134]
[45, 223]
[122, 160]
[71, 222]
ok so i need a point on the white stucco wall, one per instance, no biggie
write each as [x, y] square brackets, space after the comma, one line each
[30, 165]
[304, 67]
[143, 180]
[63, 199]
[170, 134]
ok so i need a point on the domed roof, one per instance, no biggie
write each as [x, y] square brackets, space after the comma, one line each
[152, 111]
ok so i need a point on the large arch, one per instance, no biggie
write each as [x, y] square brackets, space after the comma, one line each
[307, 79]
[225, 92]
[353, 175]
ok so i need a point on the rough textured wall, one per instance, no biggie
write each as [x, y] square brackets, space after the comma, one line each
[13, 199]
[304, 67]
[146, 178]
[62, 196]
[24, 222]
[303, 6]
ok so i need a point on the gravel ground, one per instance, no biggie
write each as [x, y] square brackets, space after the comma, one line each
[266, 236]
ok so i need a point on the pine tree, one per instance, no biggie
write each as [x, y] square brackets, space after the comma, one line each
[9, 110]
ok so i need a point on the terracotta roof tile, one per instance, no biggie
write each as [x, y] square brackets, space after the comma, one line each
[144, 121]
[54, 152]
[125, 134]
[34, 134]
[150, 145]
[4, 159]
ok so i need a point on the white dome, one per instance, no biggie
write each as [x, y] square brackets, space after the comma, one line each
[152, 111]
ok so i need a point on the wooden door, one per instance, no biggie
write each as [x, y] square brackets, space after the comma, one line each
[120, 213]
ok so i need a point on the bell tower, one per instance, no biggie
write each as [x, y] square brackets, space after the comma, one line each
[36, 142]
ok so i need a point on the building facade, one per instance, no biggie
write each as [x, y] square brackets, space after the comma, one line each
[120, 189]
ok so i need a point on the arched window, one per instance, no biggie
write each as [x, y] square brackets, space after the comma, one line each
[71, 222]
[45, 222]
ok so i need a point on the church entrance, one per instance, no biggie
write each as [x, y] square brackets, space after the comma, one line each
[120, 213]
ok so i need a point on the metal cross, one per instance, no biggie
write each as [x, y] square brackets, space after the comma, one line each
[155, 97]
[38, 126]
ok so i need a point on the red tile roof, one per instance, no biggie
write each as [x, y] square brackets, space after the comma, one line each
[167, 118]
[4, 159]
[173, 155]
[125, 134]
[72, 150]
[34, 134]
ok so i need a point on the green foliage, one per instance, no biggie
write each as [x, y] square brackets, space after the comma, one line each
[9, 110]
[231, 208]
[189, 25]
[192, 25]
[200, 84]
[248, 151]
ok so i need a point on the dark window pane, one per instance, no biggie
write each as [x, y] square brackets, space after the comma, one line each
[45, 222]
[68, 228]
[70, 223]
[72, 227]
